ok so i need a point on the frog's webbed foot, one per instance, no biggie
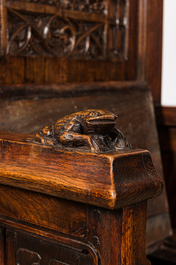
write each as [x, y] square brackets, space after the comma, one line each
[119, 140]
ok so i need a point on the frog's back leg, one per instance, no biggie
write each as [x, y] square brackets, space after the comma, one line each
[72, 137]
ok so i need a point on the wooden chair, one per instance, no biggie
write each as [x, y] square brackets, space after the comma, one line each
[58, 219]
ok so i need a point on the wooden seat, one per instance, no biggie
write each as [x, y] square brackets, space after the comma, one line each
[29, 112]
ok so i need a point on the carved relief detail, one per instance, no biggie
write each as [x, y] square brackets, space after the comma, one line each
[92, 130]
[70, 30]
[54, 35]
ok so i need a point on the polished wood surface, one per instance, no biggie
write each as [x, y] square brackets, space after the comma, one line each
[54, 203]
[28, 243]
[60, 205]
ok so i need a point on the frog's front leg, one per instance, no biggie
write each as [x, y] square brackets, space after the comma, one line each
[73, 136]
[119, 140]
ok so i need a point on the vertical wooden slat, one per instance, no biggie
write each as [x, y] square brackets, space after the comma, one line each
[104, 232]
[133, 248]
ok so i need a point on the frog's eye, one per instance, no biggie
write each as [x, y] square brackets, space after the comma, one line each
[47, 130]
[94, 113]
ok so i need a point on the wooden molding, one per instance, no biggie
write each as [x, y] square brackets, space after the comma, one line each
[27, 91]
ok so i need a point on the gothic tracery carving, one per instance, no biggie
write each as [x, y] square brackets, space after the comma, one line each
[86, 29]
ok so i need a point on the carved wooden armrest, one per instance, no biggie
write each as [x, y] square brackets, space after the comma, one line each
[83, 159]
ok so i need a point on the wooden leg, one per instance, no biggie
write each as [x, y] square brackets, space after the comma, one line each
[133, 248]
[119, 236]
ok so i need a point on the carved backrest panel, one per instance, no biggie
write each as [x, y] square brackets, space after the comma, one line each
[77, 29]
[53, 41]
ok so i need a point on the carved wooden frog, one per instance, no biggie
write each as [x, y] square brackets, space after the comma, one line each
[91, 129]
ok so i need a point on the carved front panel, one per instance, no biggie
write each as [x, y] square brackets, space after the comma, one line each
[84, 29]
[31, 250]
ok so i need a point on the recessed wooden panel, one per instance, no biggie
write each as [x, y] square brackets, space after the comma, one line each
[29, 250]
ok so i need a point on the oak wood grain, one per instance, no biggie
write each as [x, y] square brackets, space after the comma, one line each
[57, 214]
[101, 223]
[133, 223]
